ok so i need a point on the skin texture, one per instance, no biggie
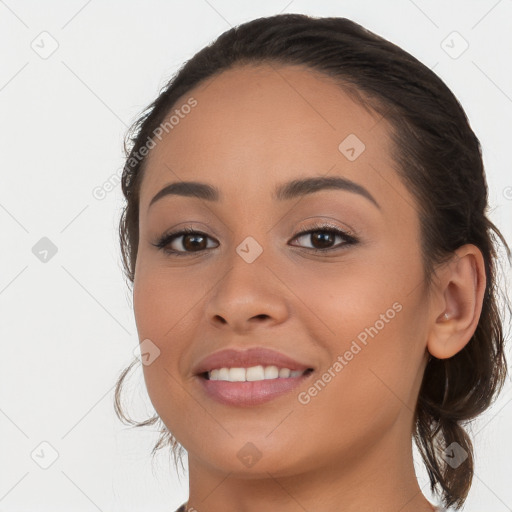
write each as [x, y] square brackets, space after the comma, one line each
[349, 448]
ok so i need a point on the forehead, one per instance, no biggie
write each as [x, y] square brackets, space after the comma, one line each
[257, 125]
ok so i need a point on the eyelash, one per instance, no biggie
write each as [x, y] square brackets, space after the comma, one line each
[167, 238]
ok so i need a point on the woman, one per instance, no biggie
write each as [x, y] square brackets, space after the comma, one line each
[313, 272]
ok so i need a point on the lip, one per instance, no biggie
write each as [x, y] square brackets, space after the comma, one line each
[232, 358]
[249, 393]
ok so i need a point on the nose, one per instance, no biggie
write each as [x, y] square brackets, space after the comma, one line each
[247, 296]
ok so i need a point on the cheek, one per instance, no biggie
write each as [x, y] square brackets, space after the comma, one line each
[339, 300]
[365, 387]
[364, 319]
[165, 309]
[164, 301]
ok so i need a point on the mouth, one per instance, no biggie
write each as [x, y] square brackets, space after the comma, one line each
[253, 386]
[249, 377]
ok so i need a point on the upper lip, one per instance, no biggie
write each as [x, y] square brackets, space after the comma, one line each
[233, 358]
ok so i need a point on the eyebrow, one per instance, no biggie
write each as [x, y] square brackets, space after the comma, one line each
[286, 191]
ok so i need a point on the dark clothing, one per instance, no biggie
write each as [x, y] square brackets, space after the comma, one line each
[183, 509]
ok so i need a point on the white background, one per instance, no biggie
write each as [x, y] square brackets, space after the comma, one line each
[67, 326]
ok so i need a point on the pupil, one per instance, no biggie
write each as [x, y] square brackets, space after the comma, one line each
[193, 245]
[324, 239]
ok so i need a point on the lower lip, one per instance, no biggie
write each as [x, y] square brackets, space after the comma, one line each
[248, 393]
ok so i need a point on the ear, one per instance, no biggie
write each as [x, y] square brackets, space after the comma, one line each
[457, 303]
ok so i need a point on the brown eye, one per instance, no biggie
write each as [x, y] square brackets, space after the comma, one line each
[323, 238]
[194, 242]
[183, 242]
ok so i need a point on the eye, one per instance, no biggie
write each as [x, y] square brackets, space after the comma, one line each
[183, 242]
[323, 237]
[187, 241]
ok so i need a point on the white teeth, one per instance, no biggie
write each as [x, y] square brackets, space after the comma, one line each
[271, 372]
[254, 373]
[236, 374]
[284, 372]
[223, 374]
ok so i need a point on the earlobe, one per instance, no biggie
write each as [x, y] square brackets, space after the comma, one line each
[461, 288]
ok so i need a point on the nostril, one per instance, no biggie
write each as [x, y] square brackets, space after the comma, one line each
[262, 316]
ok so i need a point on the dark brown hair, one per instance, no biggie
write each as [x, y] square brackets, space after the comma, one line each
[437, 156]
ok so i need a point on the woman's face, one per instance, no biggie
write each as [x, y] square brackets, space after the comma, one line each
[352, 309]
